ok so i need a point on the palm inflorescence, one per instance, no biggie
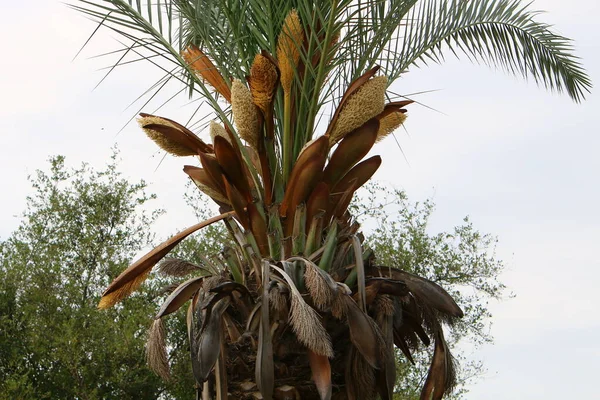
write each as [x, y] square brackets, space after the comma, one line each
[297, 306]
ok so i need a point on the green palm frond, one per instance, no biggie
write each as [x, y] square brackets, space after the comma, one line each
[153, 29]
[352, 35]
[497, 32]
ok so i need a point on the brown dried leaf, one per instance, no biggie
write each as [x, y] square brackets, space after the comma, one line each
[180, 296]
[364, 333]
[156, 350]
[317, 150]
[130, 279]
[232, 167]
[321, 374]
[206, 344]
[423, 289]
[305, 321]
[441, 377]
[265, 369]
[351, 150]
[178, 268]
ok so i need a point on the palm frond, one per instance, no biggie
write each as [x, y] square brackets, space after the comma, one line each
[157, 28]
[502, 33]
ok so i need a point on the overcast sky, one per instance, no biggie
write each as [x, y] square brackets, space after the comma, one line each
[521, 162]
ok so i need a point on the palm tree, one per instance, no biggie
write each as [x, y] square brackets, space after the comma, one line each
[297, 306]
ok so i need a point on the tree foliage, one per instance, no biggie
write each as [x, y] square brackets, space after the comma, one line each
[80, 227]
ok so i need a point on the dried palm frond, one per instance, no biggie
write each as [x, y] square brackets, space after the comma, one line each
[384, 305]
[124, 289]
[265, 369]
[206, 343]
[364, 333]
[319, 290]
[360, 378]
[427, 291]
[278, 298]
[130, 279]
[167, 289]
[177, 267]
[441, 377]
[305, 321]
[156, 350]
[180, 296]
[308, 327]
[321, 286]
[385, 377]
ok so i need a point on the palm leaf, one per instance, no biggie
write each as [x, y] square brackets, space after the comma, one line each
[502, 33]
[130, 279]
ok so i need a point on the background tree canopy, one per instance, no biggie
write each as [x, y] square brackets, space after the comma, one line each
[82, 226]
[79, 229]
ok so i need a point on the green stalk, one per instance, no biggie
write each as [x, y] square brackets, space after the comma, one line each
[313, 239]
[278, 188]
[330, 247]
[287, 137]
[299, 230]
[275, 233]
[233, 263]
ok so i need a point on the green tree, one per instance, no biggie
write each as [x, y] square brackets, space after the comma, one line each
[80, 227]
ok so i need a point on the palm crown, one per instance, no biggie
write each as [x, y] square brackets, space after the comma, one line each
[298, 306]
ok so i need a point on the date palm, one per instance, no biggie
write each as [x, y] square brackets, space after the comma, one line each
[297, 306]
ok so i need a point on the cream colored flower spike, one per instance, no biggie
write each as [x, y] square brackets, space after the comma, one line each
[389, 124]
[245, 113]
[218, 130]
[163, 140]
[366, 103]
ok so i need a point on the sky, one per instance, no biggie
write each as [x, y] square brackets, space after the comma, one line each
[520, 161]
